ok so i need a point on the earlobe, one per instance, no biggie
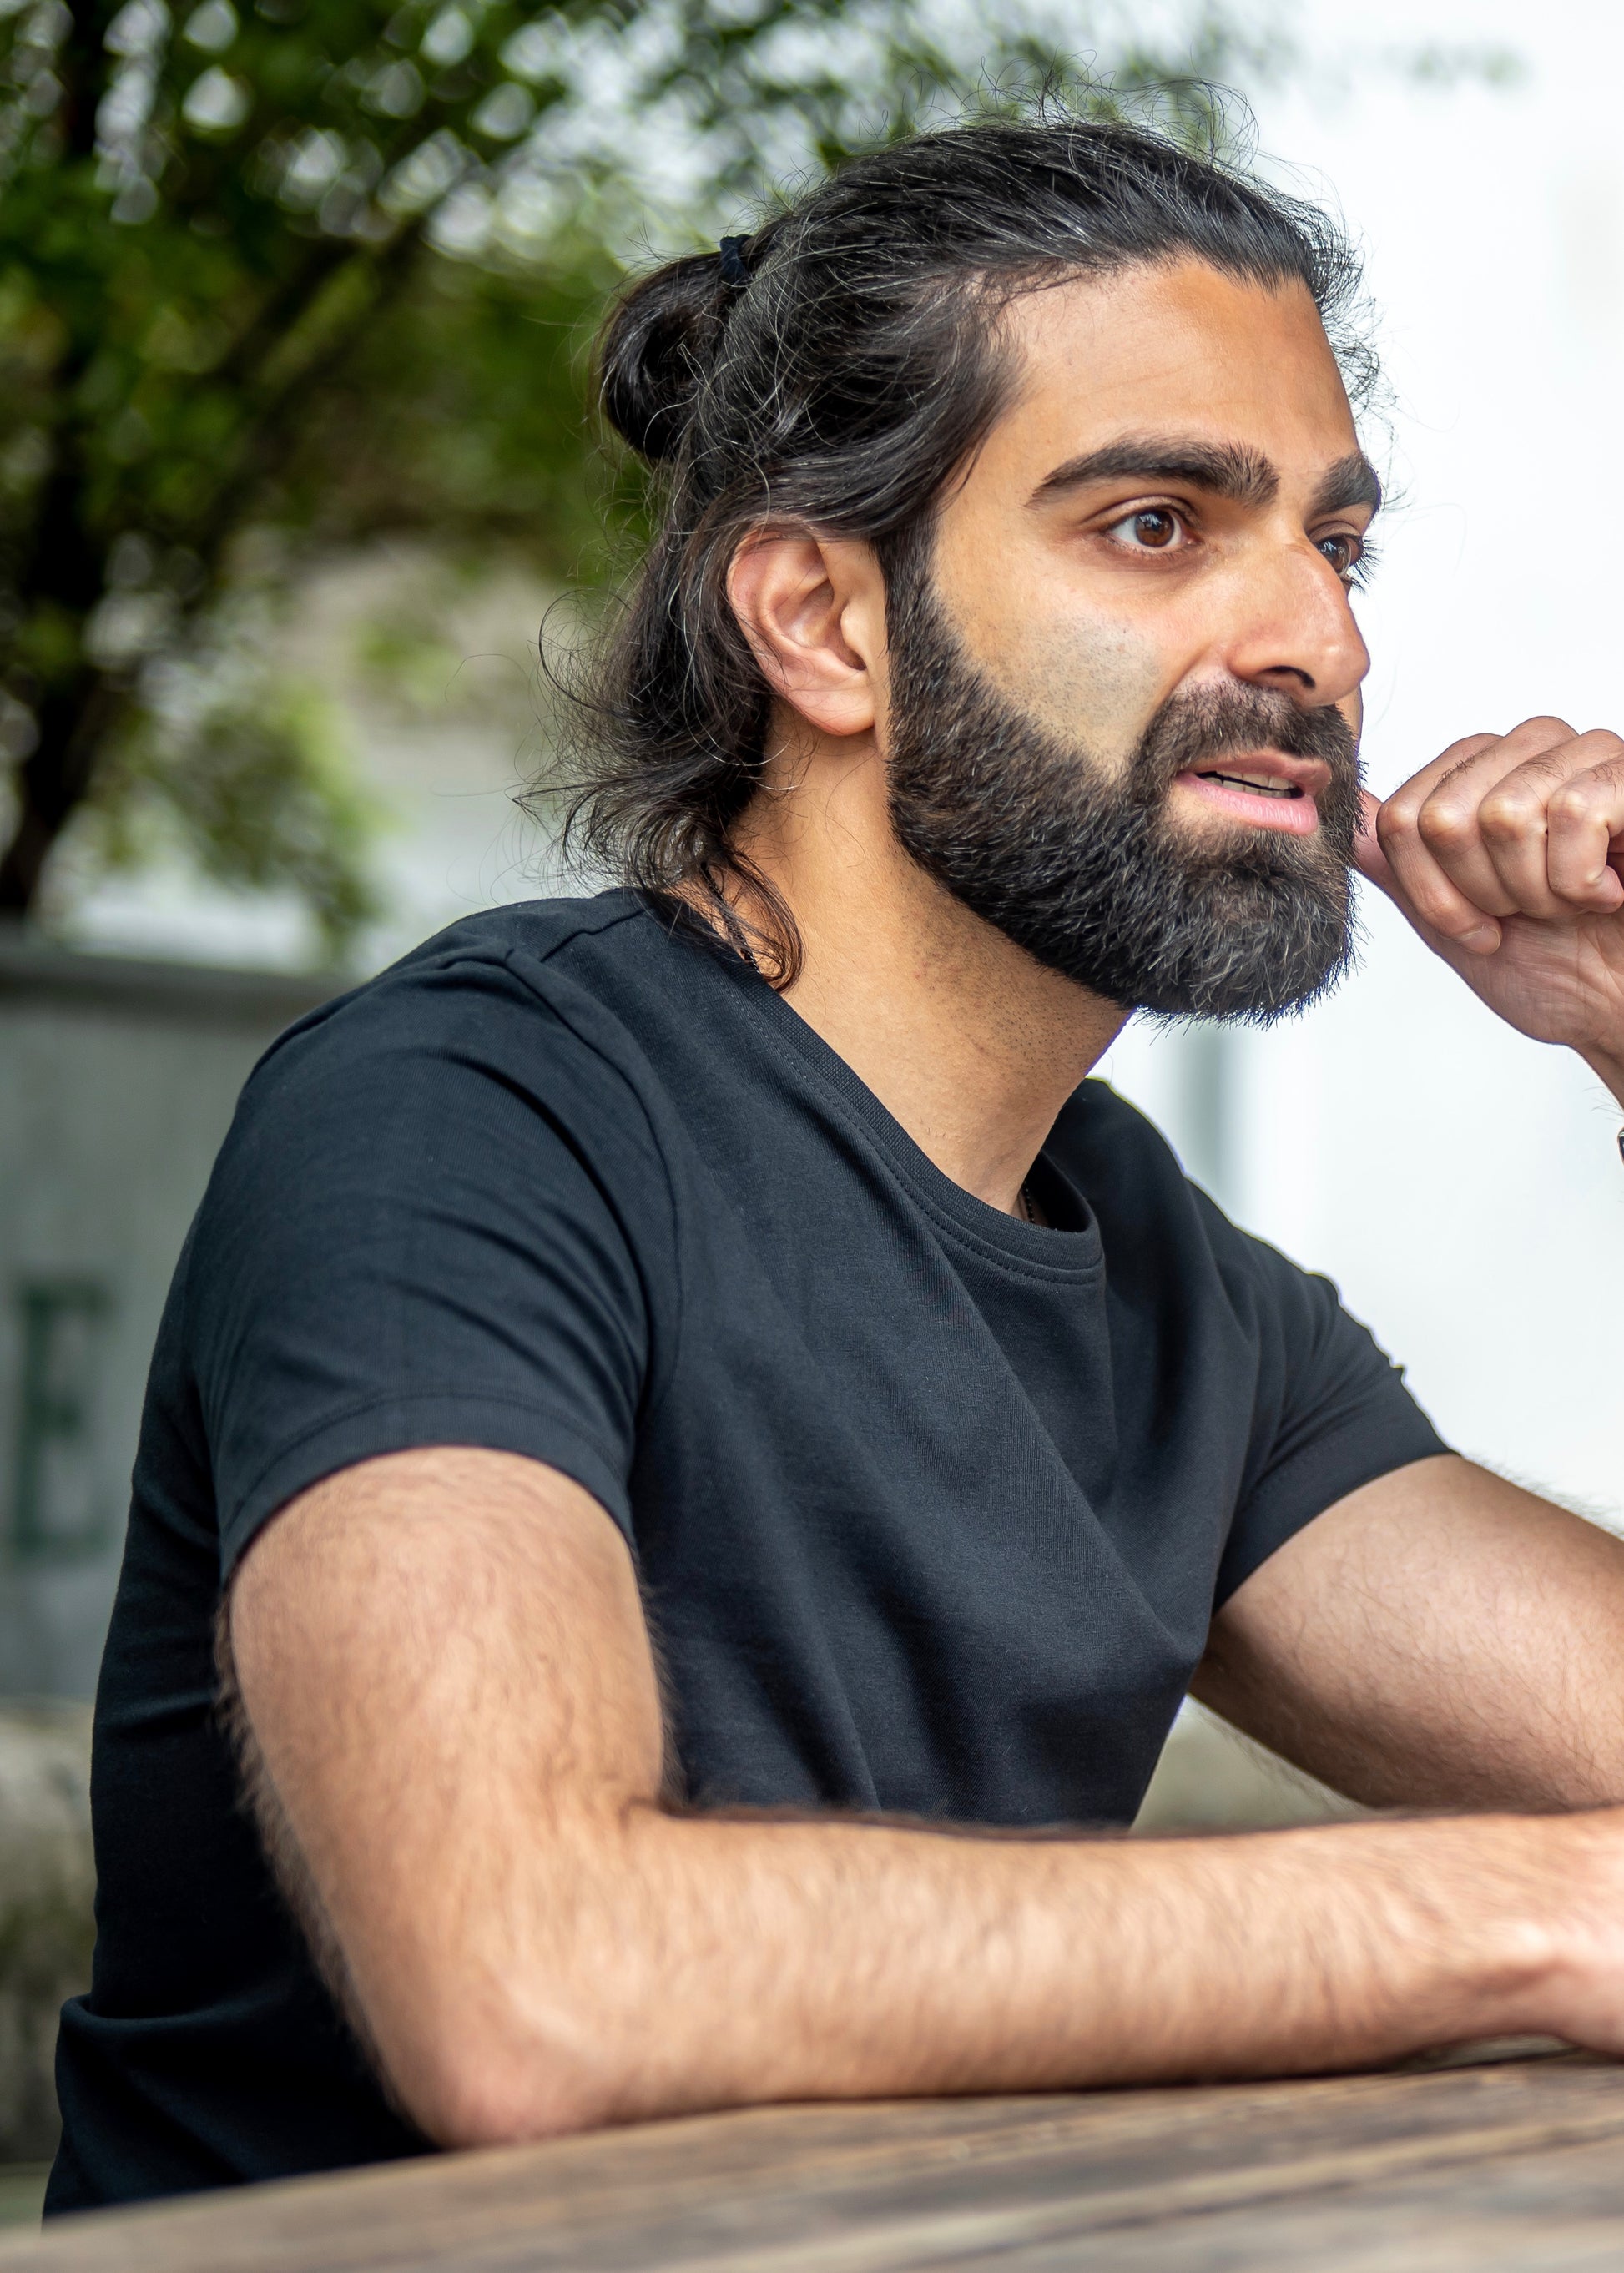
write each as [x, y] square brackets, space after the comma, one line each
[807, 607]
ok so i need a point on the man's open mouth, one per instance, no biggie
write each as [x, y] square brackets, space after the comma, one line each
[1260, 789]
[1264, 785]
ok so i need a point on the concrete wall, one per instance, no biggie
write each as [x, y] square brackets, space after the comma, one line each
[117, 1081]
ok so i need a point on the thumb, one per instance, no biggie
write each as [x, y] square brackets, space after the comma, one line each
[1373, 862]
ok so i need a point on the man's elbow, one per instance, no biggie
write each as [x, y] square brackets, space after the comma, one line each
[475, 2101]
[504, 2079]
[489, 2032]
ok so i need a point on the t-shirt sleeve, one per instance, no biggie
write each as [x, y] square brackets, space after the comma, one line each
[1332, 1412]
[441, 1218]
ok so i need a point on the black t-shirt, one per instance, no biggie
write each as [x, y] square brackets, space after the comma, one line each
[933, 1507]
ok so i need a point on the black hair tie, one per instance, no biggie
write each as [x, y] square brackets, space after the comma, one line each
[735, 268]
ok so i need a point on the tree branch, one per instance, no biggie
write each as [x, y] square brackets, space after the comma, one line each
[76, 714]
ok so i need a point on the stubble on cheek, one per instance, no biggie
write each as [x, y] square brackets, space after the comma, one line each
[1094, 685]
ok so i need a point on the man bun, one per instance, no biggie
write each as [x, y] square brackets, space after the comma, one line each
[656, 349]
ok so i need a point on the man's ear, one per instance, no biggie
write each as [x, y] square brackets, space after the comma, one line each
[813, 611]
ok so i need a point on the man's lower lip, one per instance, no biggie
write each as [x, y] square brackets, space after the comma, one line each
[1293, 816]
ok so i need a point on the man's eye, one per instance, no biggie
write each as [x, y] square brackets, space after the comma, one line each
[1344, 551]
[1154, 529]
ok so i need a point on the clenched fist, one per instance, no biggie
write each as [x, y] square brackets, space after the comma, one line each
[1506, 854]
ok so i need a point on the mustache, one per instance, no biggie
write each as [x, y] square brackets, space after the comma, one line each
[1198, 725]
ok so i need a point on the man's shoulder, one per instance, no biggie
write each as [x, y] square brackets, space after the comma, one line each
[530, 1016]
[536, 932]
[484, 1063]
[531, 935]
[475, 979]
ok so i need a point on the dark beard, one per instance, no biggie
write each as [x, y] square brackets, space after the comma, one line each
[1086, 872]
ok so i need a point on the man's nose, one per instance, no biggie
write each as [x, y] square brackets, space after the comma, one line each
[1293, 628]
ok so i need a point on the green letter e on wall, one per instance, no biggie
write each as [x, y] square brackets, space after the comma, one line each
[58, 1510]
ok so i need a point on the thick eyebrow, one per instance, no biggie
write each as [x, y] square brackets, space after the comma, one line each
[1352, 480]
[1228, 469]
[1225, 469]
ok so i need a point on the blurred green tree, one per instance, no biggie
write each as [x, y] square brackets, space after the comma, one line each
[291, 277]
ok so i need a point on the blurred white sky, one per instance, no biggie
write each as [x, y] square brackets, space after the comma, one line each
[1461, 1184]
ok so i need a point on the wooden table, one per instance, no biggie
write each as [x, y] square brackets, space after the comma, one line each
[1510, 2165]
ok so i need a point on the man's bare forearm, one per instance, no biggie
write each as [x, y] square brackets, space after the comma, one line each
[717, 1962]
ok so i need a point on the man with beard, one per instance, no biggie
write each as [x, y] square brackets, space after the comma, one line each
[720, 1449]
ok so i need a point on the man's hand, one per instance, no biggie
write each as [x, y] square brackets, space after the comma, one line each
[1506, 854]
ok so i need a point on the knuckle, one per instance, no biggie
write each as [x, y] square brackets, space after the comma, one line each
[1572, 801]
[1509, 816]
[1444, 825]
[1393, 825]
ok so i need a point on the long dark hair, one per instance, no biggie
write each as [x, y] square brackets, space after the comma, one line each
[833, 369]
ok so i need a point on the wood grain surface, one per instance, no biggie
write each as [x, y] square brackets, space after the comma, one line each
[1516, 2164]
